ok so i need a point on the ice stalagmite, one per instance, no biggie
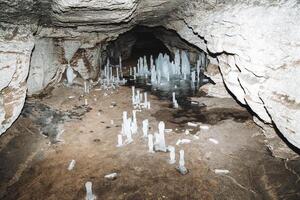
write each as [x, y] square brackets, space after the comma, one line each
[160, 138]
[134, 123]
[175, 103]
[193, 75]
[70, 75]
[120, 140]
[185, 64]
[150, 143]
[181, 168]
[177, 62]
[89, 192]
[145, 128]
[172, 155]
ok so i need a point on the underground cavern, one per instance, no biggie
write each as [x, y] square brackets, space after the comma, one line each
[149, 99]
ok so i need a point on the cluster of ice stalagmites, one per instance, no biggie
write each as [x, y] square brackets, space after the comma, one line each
[156, 141]
[165, 69]
[112, 76]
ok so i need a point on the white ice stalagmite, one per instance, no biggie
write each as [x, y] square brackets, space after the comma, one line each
[134, 73]
[198, 68]
[153, 75]
[137, 97]
[175, 103]
[148, 105]
[193, 75]
[181, 168]
[145, 128]
[71, 165]
[151, 62]
[89, 192]
[145, 71]
[134, 123]
[118, 78]
[133, 95]
[145, 100]
[70, 75]
[172, 155]
[120, 140]
[124, 131]
[128, 130]
[185, 64]
[160, 138]
[150, 143]
[177, 61]
[120, 66]
[130, 71]
[85, 87]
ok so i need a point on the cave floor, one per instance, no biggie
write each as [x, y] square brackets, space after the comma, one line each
[35, 167]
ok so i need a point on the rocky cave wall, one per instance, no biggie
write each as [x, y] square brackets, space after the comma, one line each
[254, 43]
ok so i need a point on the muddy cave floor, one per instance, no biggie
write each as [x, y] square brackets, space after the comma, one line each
[35, 167]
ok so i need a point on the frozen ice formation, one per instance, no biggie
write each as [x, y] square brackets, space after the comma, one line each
[160, 144]
[111, 176]
[109, 78]
[133, 126]
[175, 103]
[164, 69]
[120, 140]
[183, 141]
[71, 165]
[137, 99]
[181, 168]
[172, 155]
[89, 192]
[126, 128]
[150, 143]
[221, 171]
[70, 75]
[145, 128]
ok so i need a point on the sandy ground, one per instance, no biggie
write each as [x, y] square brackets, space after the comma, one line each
[35, 167]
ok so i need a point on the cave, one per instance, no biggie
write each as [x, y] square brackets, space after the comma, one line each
[141, 99]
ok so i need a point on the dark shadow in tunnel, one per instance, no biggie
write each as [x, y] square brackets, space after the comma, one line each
[147, 44]
[137, 42]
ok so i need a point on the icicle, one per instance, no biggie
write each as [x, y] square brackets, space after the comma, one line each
[130, 71]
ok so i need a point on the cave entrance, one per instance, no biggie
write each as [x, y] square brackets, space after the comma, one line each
[146, 41]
